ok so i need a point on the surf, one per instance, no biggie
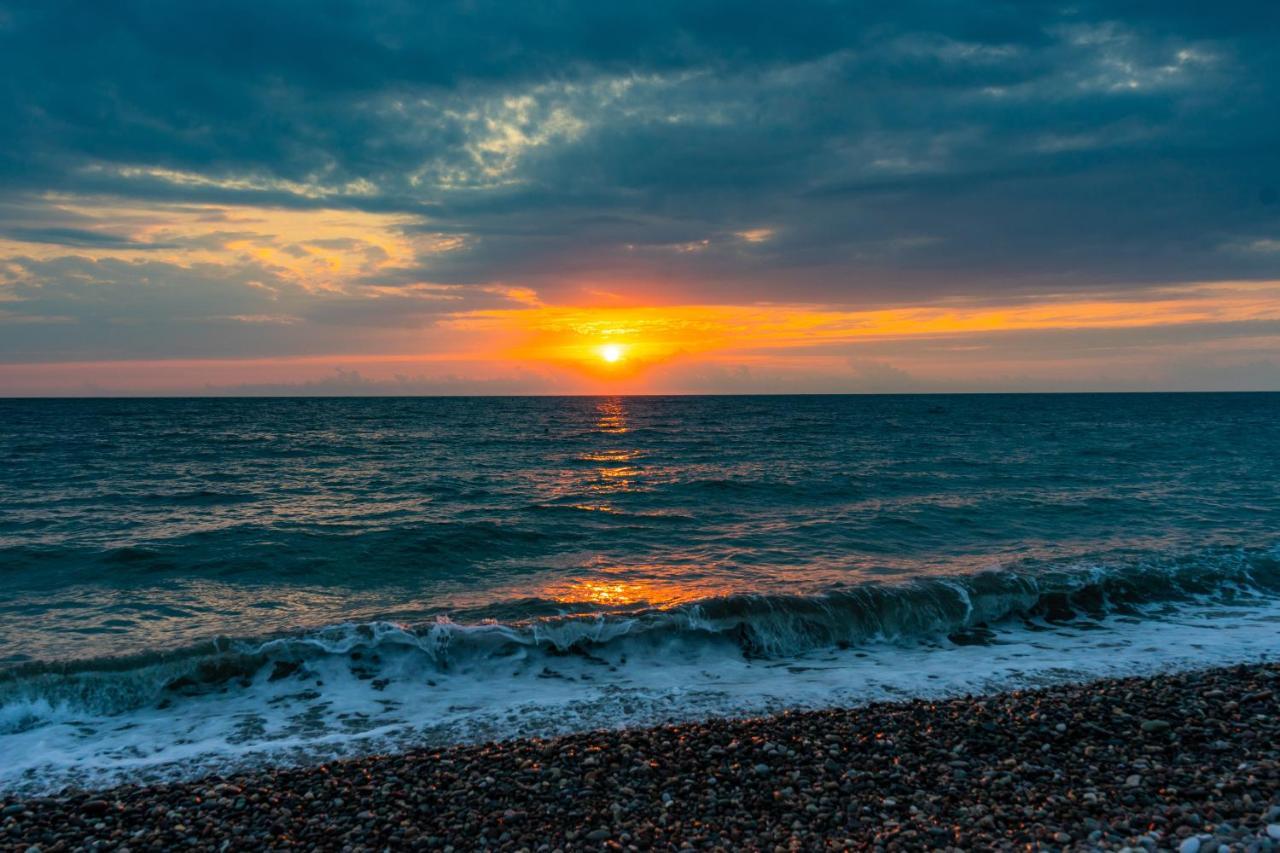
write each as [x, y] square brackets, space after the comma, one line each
[354, 688]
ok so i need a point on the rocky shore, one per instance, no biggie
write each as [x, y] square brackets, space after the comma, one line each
[1187, 762]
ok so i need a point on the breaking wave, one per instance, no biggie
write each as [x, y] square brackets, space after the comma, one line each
[957, 610]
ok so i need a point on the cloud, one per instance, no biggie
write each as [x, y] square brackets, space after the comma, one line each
[352, 383]
[78, 237]
[75, 308]
[676, 152]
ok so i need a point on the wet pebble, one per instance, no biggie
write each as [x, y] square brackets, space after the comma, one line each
[963, 774]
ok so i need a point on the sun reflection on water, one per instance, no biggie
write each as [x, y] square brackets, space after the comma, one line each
[611, 416]
[610, 484]
[611, 456]
[620, 592]
[613, 474]
[596, 508]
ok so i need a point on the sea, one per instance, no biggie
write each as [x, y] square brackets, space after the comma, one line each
[203, 586]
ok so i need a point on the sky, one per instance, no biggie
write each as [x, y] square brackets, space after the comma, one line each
[640, 196]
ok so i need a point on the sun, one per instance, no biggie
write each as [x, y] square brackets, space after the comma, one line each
[611, 353]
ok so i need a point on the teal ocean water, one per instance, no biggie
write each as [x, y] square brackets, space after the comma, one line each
[198, 585]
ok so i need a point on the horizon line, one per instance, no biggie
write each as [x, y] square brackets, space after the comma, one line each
[1114, 393]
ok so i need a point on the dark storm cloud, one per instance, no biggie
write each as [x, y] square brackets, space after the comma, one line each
[894, 153]
[77, 237]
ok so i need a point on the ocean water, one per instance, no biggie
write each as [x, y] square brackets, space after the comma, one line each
[195, 586]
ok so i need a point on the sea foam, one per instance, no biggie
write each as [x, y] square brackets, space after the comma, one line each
[357, 688]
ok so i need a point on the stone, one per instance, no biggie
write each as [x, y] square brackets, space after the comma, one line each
[95, 808]
[653, 789]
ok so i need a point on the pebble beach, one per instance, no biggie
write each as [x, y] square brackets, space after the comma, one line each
[1187, 762]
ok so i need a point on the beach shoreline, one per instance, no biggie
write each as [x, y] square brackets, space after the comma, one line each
[1180, 761]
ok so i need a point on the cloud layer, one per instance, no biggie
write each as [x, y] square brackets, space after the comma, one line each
[283, 179]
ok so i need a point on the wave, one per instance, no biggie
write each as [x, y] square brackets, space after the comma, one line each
[958, 609]
[281, 552]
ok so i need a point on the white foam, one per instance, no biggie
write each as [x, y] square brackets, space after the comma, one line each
[428, 698]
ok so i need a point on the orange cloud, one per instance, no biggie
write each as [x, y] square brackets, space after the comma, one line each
[571, 338]
[317, 250]
[635, 349]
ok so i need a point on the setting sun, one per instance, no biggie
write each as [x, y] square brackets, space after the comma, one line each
[611, 353]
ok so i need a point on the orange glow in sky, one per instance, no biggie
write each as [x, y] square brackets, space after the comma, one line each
[616, 344]
[549, 348]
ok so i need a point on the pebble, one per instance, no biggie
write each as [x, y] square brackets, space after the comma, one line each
[962, 774]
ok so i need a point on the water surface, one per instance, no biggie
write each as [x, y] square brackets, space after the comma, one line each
[199, 584]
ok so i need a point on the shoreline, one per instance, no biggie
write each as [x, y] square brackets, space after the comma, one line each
[1185, 761]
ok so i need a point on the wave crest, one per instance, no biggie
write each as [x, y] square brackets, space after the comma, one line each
[756, 626]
